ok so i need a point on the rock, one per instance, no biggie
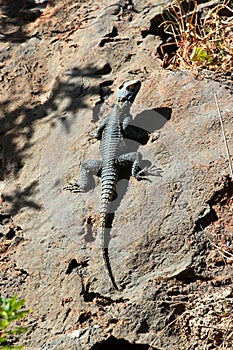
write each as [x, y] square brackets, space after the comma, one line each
[162, 248]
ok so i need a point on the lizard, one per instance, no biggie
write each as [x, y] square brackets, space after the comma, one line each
[111, 133]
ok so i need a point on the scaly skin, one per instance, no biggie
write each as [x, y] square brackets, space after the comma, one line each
[111, 147]
[114, 154]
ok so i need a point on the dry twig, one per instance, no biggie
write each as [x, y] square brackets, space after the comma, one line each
[224, 136]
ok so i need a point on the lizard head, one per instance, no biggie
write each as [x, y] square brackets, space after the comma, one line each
[128, 91]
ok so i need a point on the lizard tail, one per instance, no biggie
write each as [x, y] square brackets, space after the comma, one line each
[103, 224]
[108, 267]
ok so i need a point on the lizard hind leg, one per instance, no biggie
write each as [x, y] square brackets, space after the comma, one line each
[134, 159]
[88, 169]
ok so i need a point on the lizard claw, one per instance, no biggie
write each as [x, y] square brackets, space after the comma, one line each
[73, 187]
[148, 171]
[92, 136]
[153, 171]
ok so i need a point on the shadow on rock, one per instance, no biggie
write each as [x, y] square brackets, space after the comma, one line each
[119, 344]
[18, 124]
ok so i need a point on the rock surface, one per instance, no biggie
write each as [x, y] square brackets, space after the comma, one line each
[171, 241]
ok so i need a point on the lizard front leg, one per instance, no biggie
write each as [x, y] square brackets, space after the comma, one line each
[97, 134]
[88, 169]
[126, 123]
[133, 132]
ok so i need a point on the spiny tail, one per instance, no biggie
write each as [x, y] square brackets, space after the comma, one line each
[103, 226]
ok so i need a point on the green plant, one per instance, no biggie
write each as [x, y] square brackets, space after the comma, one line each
[10, 311]
[203, 38]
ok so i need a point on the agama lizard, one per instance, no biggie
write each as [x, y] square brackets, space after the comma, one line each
[112, 131]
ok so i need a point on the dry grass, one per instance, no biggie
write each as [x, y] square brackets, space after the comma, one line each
[203, 39]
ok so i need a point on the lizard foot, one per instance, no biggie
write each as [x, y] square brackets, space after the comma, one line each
[153, 171]
[93, 136]
[148, 171]
[74, 187]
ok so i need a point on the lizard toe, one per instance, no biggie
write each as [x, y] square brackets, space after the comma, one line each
[73, 187]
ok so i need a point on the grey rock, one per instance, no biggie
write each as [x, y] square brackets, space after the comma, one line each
[50, 97]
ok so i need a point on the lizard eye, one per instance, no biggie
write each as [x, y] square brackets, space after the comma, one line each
[130, 87]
